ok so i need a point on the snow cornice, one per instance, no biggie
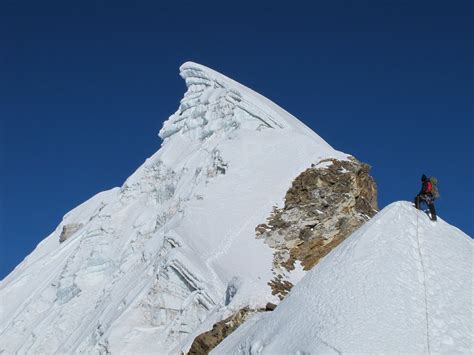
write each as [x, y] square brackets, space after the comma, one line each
[215, 104]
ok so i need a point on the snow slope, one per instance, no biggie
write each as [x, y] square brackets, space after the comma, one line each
[157, 261]
[401, 283]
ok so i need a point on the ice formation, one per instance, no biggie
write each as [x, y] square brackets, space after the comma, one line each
[146, 267]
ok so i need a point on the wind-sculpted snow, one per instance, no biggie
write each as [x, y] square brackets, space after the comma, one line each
[146, 267]
[215, 104]
[400, 284]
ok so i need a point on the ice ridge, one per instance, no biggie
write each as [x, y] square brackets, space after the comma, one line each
[215, 104]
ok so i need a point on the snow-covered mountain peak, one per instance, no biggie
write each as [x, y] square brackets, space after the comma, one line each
[148, 266]
[217, 105]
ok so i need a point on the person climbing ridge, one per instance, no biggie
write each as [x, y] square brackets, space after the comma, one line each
[426, 195]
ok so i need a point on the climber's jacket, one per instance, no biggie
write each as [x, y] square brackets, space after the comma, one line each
[426, 187]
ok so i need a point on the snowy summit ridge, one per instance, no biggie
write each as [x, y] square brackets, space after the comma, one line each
[214, 101]
[146, 267]
[400, 283]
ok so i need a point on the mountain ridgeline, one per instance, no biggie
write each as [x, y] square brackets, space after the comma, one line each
[241, 202]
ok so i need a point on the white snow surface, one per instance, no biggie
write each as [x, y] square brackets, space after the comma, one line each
[399, 284]
[157, 261]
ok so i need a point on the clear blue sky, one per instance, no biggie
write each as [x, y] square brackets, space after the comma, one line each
[86, 85]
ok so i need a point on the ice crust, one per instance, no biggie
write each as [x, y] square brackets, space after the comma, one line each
[160, 259]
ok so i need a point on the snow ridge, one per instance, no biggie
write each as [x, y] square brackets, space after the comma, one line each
[372, 295]
[214, 102]
[424, 285]
[146, 267]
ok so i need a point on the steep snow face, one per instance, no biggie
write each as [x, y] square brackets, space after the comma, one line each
[146, 267]
[401, 283]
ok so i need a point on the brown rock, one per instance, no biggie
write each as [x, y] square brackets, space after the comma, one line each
[324, 205]
[207, 341]
[270, 306]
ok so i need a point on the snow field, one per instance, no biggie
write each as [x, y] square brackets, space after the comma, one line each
[372, 295]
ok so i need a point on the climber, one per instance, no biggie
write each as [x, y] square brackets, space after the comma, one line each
[425, 195]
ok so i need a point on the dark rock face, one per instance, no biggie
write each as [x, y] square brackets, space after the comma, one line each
[324, 205]
[68, 230]
[207, 341]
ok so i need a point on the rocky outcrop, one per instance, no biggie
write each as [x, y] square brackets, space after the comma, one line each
[68, 230]
[207, 341]
[324, 205]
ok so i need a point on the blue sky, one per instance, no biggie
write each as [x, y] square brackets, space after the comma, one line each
[85, 87]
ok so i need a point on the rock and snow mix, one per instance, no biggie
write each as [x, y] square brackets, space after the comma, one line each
[400, 283]
[323, 207]
[146, 267]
